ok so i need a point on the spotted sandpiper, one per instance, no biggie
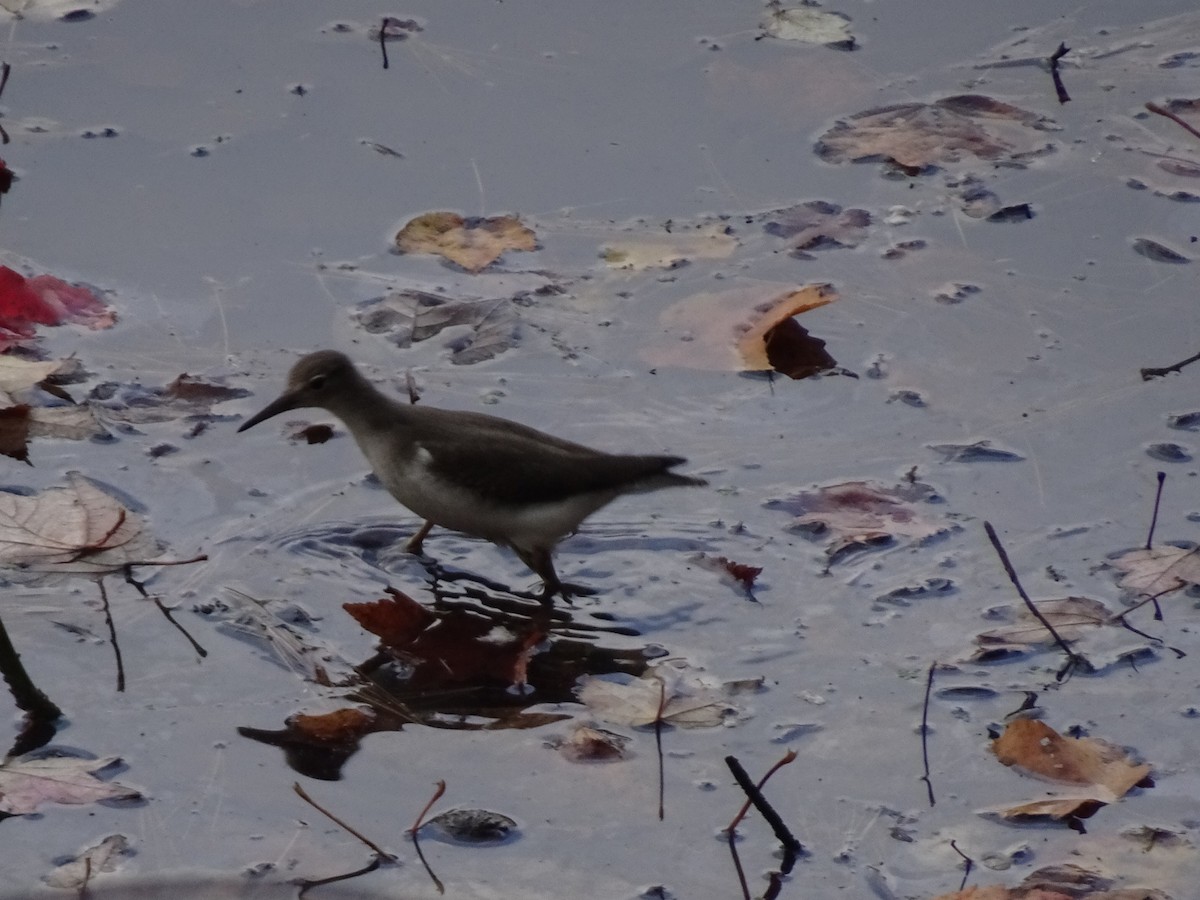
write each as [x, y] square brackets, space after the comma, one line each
[470, 472]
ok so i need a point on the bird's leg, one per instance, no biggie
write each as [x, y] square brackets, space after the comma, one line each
[416, 543]
[540, 560]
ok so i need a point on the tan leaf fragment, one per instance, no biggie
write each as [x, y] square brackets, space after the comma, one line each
[1158, 570]
[18, 374]
[77, 529]
[474, 244]
[669, 251]
[662, 695]
[102, 857]
[1038, 749]
[25, 784]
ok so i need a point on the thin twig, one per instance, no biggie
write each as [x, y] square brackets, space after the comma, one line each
[1162, 476]
[968, 865]
[305, 883]
[1073, 658]
[925, 732]
[662, 703]
[383, 39]
[731, 837]
[112, 635]
[416, 827]
[1158, 110]
[5, 71]
[1147, 374]
[791, 846]
[1059, 88]
[141, 589]
[784, 760]
[375, 848]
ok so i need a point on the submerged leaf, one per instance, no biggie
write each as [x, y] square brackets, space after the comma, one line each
[916, 135]
[662, 695]
[861, 515]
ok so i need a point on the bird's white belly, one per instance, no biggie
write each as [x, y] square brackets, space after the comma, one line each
[450, 506]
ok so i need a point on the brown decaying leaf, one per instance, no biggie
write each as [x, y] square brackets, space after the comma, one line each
[1038, 749]
[1060, 882]
[340, 726]
[77, 529]
[755, 346]
[740, 573]
[916, 135]
[473, 244]
[25, 784]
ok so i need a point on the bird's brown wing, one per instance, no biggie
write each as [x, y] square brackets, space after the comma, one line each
[513, 472]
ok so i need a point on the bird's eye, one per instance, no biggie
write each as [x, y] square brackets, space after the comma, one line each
[317, 382]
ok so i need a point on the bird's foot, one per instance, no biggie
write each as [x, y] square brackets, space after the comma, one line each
[416, 543]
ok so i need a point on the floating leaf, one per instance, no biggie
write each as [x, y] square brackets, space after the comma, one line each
[187, 397]
[474, 244]
[774, 335]
[26, 303]
[1157, 570]
[1039, 750]
[745, 330]
[77, 529]
[27, 783]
